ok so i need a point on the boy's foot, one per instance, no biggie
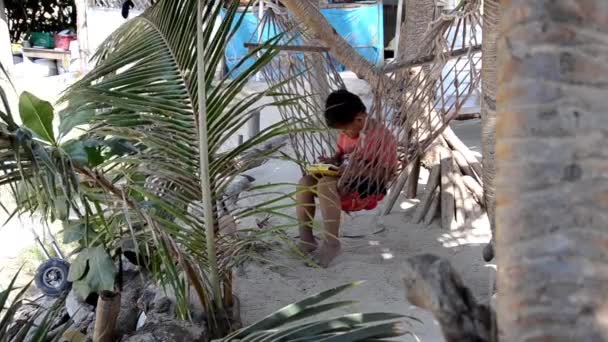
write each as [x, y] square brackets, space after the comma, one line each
[488, 252]
[327, 253]
[307, 247]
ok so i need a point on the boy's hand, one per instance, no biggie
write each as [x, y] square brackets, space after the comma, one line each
[328, 160]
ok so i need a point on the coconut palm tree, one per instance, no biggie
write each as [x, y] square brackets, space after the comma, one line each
[551, 185]
[136, 171]
[491, 14]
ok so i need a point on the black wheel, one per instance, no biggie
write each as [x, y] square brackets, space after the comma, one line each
[52, 277]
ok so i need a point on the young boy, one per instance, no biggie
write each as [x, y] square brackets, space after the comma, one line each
[375, 161]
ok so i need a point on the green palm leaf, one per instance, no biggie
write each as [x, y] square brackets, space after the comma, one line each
[283, 326]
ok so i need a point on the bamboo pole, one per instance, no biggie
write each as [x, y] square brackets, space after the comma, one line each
[106, 313]
[204, 162]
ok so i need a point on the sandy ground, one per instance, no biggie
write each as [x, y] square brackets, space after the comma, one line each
[377, 258]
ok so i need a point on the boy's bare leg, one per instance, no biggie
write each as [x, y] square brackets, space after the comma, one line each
[329, 202]
[305, 211]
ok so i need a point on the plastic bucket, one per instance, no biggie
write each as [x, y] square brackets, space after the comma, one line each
[62, 41]
[42, 39]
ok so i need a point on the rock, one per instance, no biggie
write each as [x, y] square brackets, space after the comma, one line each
[133, 287]
[161, 328]
[156, 300]
[77, 308]
[159, 323]
[141, 321]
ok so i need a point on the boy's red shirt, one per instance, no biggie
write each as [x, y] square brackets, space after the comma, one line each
[378, 145]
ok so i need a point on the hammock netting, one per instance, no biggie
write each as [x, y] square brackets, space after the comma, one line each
[414, 99]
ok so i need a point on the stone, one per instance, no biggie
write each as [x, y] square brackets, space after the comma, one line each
[133, 287]
[77, 308]
[161, 328]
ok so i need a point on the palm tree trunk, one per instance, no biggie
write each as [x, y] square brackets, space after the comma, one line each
[418, 16]
[552, 184]
[491, 13]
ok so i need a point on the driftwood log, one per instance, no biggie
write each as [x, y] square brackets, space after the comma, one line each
[432, 284]
[453, 190]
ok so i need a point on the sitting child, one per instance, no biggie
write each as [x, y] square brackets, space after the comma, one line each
[374, 161]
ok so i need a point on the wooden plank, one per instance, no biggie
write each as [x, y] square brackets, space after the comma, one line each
[298, 48]
[430, 58]
[45, 53]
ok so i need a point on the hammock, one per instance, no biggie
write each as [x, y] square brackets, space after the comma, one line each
[414, 101]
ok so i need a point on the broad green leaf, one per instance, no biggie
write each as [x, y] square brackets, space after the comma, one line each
[78, 268]
[75, 231]
[102, 270]
[84, 152]
[75, 150]
[94, 156]
[72, 232]
[37, 115]
[92, 271]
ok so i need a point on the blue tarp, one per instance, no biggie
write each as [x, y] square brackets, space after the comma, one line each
[361, 26]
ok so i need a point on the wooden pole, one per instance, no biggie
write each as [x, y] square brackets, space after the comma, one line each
[6, 55]
[412, 180]
[82, 32]
[447, 191]
[396, 190]
[398, 27]
[253, 126]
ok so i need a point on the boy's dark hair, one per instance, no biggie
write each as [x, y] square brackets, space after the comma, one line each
[342, 107]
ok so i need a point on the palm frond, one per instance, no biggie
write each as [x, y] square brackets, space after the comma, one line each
[289, 323]
[135, 170]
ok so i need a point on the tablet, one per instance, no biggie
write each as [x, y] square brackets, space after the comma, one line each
[323, 170]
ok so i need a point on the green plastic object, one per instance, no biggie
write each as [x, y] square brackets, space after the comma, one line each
[42, 39]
